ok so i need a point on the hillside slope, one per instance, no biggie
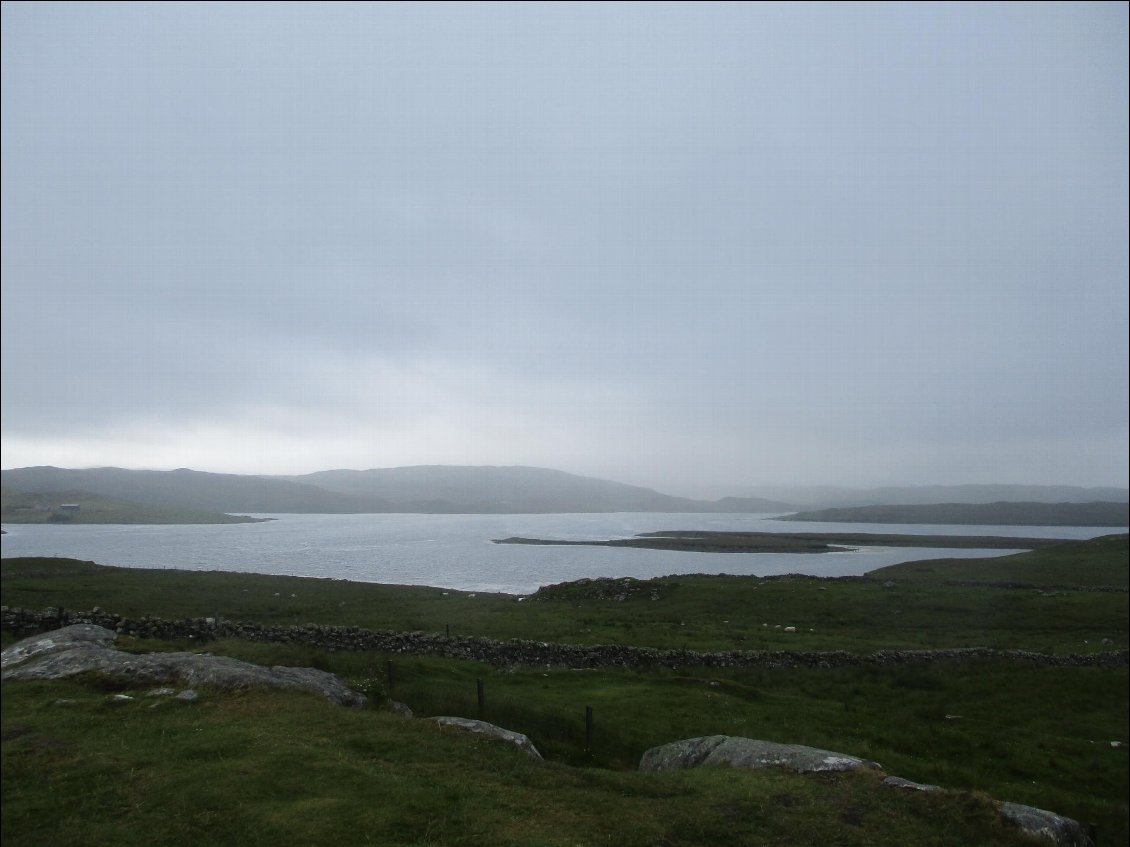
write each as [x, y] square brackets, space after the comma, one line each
[18, 507]
[493, 489]
[990, 514]
[187, 489]
[437, 489]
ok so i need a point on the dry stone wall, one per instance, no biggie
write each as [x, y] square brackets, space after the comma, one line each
[24, 622]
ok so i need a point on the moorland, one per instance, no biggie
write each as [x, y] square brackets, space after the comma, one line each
[287, 768]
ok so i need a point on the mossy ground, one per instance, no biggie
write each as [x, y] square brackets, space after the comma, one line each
[274, 768]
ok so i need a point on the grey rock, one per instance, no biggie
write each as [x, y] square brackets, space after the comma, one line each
[749, 754]
[398, 708]
[161, 692]
[483, 728]
[1061, 831]
[76, 636]
[324, 683]
[85, 648]
[899, 782]
[187, 696]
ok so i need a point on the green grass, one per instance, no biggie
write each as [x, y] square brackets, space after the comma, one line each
[290, 769]
[1040, 736]
[695, 612]
[1097, 563]
[276, 768]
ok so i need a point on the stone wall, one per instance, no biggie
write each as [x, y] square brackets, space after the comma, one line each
[25, 622]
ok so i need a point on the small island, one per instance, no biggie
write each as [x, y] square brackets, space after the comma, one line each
[703, 541]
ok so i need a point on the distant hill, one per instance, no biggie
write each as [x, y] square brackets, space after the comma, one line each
[999, 514]
[920, 495]
[81, 507]
[516, 489]
[434, 489]
[186, 489]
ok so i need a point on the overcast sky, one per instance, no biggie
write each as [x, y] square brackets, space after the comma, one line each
[695, 247]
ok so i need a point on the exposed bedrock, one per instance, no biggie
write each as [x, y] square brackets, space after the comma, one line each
[88, 648]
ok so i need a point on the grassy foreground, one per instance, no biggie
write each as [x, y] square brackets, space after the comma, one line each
[271, 768]
[288, 769]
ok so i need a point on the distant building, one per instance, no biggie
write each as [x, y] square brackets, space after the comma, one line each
[69, 509]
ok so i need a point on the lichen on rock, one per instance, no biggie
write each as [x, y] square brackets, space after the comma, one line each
[749, 754]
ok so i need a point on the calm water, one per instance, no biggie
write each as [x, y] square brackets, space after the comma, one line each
[455, 551]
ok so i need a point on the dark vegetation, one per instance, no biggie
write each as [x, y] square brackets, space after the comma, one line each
[290, 769]
[999, 514]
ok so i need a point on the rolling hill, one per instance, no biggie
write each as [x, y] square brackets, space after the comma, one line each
[434, 489]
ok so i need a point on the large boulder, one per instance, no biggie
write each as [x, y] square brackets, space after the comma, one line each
[483, 728]
[1061, 831]
[85, 648]
[749, 754]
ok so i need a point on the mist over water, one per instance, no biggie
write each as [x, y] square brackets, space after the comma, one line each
[456, 551]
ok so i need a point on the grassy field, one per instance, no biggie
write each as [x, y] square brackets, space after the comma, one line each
[284, 769]
[696, 612]
[290, 769]
[1096, 563]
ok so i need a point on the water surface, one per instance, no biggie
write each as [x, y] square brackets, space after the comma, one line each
[456, 551]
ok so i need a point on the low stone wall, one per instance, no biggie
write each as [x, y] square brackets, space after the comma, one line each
[24, 622]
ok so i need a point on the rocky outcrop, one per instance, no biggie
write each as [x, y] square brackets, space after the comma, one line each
[86, 648]
[1061, 831]
[483, 728]
[521, 652]
[748, 754]
[754, 754]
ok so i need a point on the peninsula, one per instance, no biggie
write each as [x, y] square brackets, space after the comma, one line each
[701, 541]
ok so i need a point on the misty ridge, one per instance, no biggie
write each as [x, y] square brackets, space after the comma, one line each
[443, 489]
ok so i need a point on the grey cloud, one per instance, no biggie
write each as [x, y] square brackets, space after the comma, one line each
[704, 230]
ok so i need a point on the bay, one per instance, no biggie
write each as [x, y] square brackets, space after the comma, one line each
[457, 551]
